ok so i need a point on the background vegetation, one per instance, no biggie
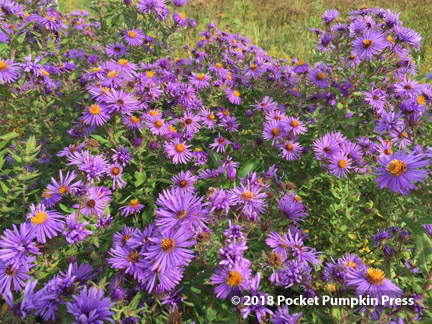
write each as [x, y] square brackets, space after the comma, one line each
[281, 26]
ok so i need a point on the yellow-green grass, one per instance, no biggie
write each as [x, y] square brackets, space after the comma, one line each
[281, 26]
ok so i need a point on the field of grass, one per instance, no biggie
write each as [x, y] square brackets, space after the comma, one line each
[281, 26]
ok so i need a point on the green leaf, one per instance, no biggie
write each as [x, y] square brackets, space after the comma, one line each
[9, 136]
[252, 165]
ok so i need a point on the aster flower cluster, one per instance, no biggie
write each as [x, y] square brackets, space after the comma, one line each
[221, 173]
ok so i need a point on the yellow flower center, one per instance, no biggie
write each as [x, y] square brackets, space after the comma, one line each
[122, 62]
[236, 93]
[289, 147]
[94, 109]
[219, 65]
[45, 72]
[300, 62]
[421, 100]
[342, 164]
[200, 77]
[154, 113]
[112, 74]
[158, 123]
[375, 276]
[179, 148]
[253, 67]
[131, 34]
[172, 129]
[96, 69]
[210, 117]
[397, 167]
[183, 183]
[39, 218]
[150, 74]
[388, 151]
[3, 66]
[390, 39]
[46, 193]
[182, 15]
[133, 257]
[134, 203]
[275, 131]
[294, 123]
[247, 195]
[321, 76]
[115, 171]
[168, 245]
[63, 189]
[134, 119]
[351, 264]
[367, 43]
[234, 278]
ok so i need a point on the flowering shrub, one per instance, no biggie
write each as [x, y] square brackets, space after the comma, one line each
[183, 187]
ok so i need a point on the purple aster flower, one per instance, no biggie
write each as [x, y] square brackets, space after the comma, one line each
[116, 50]
[185, 181]
[12, 275]
[170, 249]
[9, 71]
[267, 104]
[273, 130]
[200, 80]
[283, 316]
[259, 309]
[290, 246]
[325, 147]
[428, 229]
[134, 37]
[178, 150]
[180, 19]
[291, 151]
[292, 273]
[22, 308]
[46, 223]
[90, 307]
[115, 172]
[133, 207]
[96, 200]
[190, 121]
[121, 155]
[408, 36]
[93, 166]
[157, 7]
[249, 198]
[120, 101]
[292, 208]
[180, 3]
[76, 231]
[178, 208]
[319, 78]
[131, 261]
[330, 15]
[16, 245]
[372, 282]
[96, 115]
[234, 96]
[339, 164]
[377, 99]
[231, 280]
[369, 44]
[220, 143]
[399, 170]
[64, 186]
[381, 236]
